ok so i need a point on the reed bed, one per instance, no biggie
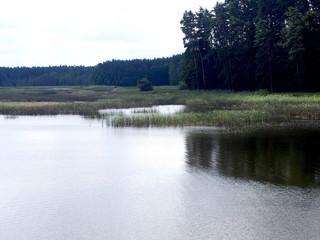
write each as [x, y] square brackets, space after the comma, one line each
[220, 118]
[47, 108]
[203, 108]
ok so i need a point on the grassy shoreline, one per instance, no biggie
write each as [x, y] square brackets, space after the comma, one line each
[204, 108]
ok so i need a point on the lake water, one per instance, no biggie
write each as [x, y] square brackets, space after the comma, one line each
[65, 177]
[159, 109]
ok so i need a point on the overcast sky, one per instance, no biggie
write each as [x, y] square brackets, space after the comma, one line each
[77, 32]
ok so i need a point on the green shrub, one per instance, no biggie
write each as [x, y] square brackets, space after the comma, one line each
[144, 85]
[183, 85]
[263, 92]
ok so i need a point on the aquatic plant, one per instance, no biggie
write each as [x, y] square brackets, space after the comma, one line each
[205, 108]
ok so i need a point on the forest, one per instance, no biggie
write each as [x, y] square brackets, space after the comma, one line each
[161, 71]
[239, 45]
[45, 76]
[253, 44]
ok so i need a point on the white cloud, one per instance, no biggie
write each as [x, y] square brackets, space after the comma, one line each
[74, 32]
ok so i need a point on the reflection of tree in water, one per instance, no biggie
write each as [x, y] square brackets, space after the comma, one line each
[200, 148]
[281, 157]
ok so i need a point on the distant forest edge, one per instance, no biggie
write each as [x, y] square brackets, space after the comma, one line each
[161, 71]
[238, 45]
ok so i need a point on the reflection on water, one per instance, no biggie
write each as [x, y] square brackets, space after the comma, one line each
[281, 156]
[159, 109]
[65, 177]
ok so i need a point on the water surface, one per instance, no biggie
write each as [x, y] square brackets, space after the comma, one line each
[65, 177]
[158, 109]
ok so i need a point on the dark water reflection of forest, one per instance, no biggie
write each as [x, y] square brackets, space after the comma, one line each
[66, 177]
[284, 156]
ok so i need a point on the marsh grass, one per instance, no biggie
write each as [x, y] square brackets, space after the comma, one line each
[204, 108]
[219, 118]
[144, 111]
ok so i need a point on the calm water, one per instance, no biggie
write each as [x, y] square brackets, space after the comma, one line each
[65, 177]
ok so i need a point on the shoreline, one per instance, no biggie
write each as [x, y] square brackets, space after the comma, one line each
[203, 108]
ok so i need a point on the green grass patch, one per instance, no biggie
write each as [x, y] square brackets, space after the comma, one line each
[213, 118]
[204, 108]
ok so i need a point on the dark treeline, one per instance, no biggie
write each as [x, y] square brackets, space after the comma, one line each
[46, 76]
[253, 44]
[160, 71]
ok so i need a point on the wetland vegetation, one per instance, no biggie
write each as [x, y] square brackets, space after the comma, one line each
[203, 108]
